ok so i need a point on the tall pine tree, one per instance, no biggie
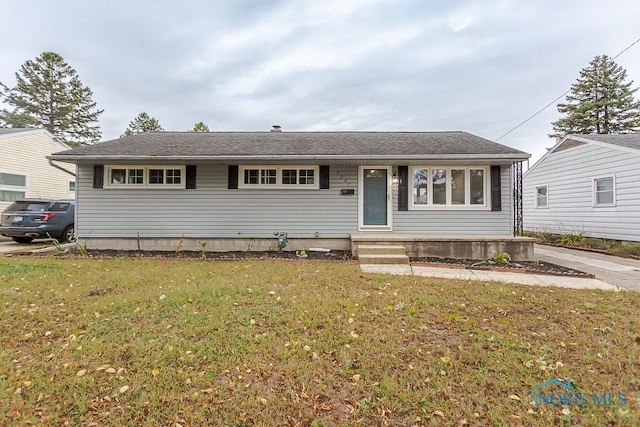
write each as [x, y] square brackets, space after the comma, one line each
[49, 94]
[141, 124]
[600, 102]
[200, 127]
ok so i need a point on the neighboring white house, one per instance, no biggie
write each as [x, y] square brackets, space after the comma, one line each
[586, 184]
[25, 170]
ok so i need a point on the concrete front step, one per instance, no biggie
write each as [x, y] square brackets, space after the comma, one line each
[381, 250]
[383, 259]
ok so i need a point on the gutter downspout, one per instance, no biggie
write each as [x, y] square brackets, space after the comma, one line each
[61, 168]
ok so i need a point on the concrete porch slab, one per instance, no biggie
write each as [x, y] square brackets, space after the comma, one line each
[449, 246]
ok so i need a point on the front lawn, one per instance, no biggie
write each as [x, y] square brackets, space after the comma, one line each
[268, 342]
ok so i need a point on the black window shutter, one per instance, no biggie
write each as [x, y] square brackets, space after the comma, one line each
[496, 189]
[191, 177]
[98, 176]
[403, 188]
[232, 182]
[324, 177]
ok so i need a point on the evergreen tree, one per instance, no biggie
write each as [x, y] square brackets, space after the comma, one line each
[49, 94]
[142, 123]
[600, 102]
[200, 127]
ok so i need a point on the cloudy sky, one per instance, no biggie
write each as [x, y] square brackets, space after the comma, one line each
[406, 65]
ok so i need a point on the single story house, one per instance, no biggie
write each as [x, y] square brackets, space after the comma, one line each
[241, 190]
[24, 169]
[586, 184]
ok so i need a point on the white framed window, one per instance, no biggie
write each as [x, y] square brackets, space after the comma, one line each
[144, 176]
[296, 177]
[72, 186]
[604, 191]
[449, 187]
[542, 196]
[13, 186]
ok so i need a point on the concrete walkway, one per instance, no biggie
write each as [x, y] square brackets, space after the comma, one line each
[497, 276]
[621, 272]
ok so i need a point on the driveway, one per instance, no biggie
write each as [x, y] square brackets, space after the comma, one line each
[621, 272]
[8, 245]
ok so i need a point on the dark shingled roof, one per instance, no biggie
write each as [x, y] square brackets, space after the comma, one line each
[628, 140]
[292, 144]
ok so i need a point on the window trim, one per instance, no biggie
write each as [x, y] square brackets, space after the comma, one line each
[15, 188]
[448, 205]
[279, 185]
[145, 177]
[595, 195]
[74, 186]
[546, 197]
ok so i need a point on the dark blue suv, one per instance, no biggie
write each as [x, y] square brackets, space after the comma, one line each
[25, 220]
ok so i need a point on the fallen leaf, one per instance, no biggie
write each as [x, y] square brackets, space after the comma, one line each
[514, 397]
[81, 372]
[439, 414]
[123, 389]
[110, 371]
[262, 400]
[155, 372]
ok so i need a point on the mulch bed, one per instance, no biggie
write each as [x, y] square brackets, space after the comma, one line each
[222, 256]
[527, 267]
[589, 249]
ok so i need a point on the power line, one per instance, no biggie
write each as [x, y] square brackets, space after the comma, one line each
[554, 101]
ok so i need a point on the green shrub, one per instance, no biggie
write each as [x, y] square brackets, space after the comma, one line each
[571, 239]
[500, 258]
[630, 248]
[595, 243]
[542, 236]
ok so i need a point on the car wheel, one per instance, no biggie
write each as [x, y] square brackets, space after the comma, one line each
[22, 239]
[68, 235]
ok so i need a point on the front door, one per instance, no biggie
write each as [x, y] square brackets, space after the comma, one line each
[375, 199]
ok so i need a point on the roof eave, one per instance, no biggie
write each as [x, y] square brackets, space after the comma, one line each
[103, 158]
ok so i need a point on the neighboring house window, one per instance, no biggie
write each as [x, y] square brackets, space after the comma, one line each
[279, 177]
[12, 186]
[604, 191]
[449, 187]
[542, 196]
[72, 186]
[145, 176]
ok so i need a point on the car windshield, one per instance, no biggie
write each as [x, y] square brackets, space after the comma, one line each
[28, 206]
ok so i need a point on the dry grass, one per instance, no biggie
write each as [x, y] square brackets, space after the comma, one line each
[189, 342]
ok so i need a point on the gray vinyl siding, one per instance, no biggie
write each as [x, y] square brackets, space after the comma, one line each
[471, 222]
[213, 211]
[569, 175]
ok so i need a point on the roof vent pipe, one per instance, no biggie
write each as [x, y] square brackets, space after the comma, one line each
[276, 128]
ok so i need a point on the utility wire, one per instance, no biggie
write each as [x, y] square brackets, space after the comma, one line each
[554, 101]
